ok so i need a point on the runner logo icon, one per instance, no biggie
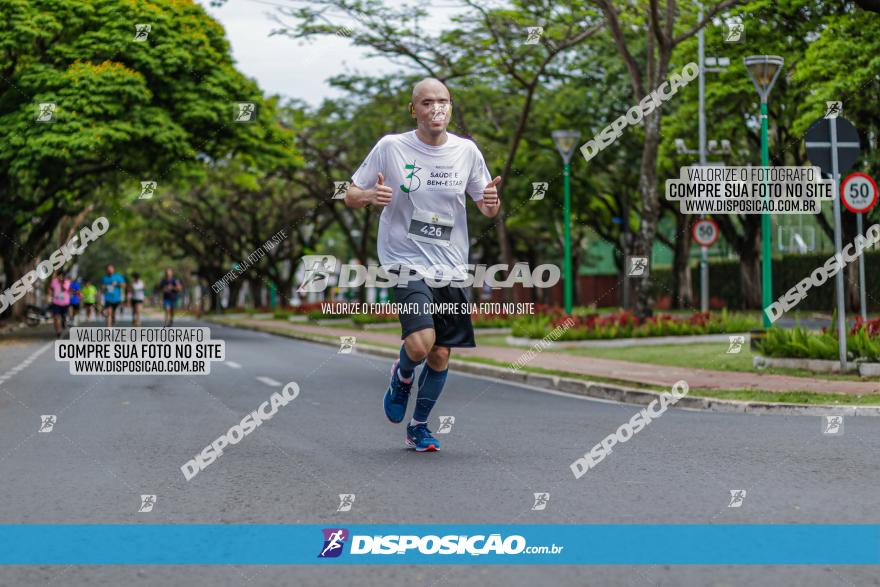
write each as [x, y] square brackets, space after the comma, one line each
[737, 496]
[334, 540]
[147, 503]
[446, 424]
[318, 269]
[346, 500]
[539, 188]
[47, 423]
[736, 343]
[541, 501]
[340, 187]
[832, 425]
[346, 344]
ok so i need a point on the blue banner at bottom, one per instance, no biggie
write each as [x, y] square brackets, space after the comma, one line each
[253, 544]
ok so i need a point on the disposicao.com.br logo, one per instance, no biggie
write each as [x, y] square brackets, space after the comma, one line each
[319, 271]
[393, 544]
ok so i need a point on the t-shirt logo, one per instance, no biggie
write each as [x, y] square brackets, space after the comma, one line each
[414, 182]
[435, 218]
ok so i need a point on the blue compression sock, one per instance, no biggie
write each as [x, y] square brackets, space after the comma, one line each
[406, 366]
[430, 385]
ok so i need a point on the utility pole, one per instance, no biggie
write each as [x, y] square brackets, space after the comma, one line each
[701, 61]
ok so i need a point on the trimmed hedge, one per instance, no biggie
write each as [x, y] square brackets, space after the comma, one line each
[799, 343]
[625, 325]
[724, 280]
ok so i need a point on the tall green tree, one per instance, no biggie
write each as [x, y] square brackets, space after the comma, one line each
[659, 30]
[126, 110]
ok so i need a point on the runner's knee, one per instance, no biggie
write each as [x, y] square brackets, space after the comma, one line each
[438, 358]
[419, 344]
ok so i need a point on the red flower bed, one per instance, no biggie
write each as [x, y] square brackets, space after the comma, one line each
[871, 327]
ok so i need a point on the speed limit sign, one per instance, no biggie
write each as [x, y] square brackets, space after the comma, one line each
[705, 232]
[858, 193]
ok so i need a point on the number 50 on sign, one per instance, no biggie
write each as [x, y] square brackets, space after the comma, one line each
[858, 192]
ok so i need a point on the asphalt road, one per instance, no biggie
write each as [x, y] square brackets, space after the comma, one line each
[117, 437]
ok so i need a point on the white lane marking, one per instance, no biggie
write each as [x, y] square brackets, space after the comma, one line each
[232, 364]
[25, 363]
[269, 381]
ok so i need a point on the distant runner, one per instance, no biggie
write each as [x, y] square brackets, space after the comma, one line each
[75, 297]
[136, 294]
[171, 288]
[89, 299]
[59, 290]
[113, 285]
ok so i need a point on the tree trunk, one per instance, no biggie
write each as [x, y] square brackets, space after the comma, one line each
[682, 288]
[750, 276]
[851, 287]
[644, 238]
[14, 271]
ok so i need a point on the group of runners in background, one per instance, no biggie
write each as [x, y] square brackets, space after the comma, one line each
[68, 296]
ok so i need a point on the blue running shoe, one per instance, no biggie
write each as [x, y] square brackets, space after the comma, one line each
[397, 396]
[419, 437]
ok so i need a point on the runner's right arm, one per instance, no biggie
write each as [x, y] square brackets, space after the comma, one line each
[378, 195]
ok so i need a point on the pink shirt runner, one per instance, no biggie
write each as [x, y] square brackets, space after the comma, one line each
[60, 292]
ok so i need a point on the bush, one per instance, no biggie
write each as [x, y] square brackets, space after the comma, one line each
[862, 342]
[625, 325]
[315, 315]
[361, 319]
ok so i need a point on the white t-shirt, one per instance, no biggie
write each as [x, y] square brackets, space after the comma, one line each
[137, 293]
[429, 184]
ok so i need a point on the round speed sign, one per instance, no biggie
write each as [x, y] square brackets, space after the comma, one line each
[858, 192]
[705, 232]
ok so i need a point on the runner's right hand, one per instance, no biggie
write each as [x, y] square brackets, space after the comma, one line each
[381, 194]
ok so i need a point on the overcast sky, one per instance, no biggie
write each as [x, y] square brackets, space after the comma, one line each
[279, 64]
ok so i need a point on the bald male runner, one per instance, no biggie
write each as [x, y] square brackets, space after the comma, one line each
[419, 179]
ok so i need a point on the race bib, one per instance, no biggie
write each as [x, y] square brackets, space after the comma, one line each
[430, 227]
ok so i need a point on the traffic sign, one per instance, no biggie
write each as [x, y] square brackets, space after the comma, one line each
[705, 232]
[819, 144]
[833, 145]
[858, 192]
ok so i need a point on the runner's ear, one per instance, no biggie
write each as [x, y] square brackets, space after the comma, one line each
[412, 110]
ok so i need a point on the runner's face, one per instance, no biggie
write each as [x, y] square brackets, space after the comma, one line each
[433, 109]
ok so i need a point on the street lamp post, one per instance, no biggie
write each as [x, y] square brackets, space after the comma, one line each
[763, 70]
[565, 141]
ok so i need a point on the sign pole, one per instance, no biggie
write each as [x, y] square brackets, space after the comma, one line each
[766, 228]
[567, 290]
[704, 251]
[855, 192]
[863, 304]
[833, 156]
[838, 245]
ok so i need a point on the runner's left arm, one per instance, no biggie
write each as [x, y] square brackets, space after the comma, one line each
[481, 187]
[491, 203]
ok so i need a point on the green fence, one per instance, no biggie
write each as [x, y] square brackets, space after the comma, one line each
[725, 280]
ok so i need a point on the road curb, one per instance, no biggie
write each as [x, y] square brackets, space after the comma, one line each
[606, 391]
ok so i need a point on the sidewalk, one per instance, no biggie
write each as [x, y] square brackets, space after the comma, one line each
[609, 368]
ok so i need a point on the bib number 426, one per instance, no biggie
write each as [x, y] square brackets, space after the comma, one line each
[435, 231]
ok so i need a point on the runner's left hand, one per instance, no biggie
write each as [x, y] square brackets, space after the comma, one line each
[490, 193]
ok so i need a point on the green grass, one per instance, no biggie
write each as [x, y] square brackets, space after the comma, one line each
[703, 355]
[706, 355]
[750, 395]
